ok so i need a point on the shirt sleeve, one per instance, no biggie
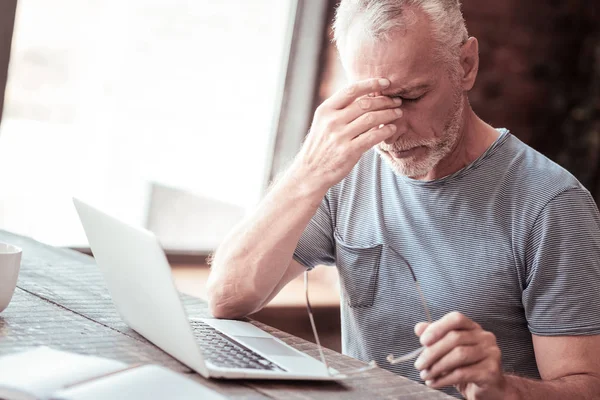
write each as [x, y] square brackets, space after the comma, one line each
[316, 243]
[562, 292]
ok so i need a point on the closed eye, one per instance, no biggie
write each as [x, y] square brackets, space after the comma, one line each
[408, 99]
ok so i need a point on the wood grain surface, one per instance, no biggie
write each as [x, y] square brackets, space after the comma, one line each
[61, 301]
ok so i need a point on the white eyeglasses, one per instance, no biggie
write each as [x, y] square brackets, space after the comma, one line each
[390, 358]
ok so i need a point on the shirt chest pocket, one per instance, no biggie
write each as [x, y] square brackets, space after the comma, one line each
[358, 269]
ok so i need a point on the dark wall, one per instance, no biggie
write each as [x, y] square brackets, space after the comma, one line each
[540, 76]
[7, 21]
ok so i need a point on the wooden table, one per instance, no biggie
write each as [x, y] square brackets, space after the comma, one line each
[61, 301]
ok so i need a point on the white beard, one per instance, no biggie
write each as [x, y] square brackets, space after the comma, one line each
[437, 148]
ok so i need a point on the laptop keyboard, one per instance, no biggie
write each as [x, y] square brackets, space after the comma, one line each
[222, 351]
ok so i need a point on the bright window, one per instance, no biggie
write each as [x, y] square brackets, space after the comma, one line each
[107, 99]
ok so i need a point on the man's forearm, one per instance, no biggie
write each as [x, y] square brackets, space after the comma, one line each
[254, 258]
[252, 261]
[572, 387]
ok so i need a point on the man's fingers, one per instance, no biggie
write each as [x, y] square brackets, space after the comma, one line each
[449, 322]
[371, 120]
[480, 374]
[420, 328]
[373, 136]
[458, 357]
[458, 376]
[347, 95]
[437, 351]
[368, 104]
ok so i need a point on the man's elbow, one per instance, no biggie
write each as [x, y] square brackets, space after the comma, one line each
[224, 310]
[227, 303]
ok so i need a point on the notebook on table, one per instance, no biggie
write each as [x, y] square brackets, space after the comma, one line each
[43, 373]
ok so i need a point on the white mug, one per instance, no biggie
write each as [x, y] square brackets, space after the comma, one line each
[10, 262]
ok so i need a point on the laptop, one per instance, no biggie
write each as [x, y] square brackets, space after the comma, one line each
[139, 280]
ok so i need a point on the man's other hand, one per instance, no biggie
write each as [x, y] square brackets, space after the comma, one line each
[459, 352]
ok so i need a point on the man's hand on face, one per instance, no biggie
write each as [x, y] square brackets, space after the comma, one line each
[344, 127]
[459, 352]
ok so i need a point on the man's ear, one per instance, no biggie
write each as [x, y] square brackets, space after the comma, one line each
[469, 62]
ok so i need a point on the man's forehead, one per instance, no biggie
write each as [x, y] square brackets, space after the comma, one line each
[406, 58]
[363, 63]
[406, 68]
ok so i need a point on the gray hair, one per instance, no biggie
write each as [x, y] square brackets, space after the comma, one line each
[380, 18]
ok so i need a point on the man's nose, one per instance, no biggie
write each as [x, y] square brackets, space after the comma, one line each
[400, 130]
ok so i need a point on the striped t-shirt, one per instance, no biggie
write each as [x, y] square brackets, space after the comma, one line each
[511, 241]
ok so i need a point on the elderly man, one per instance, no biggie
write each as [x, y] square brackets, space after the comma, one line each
[398, 172]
